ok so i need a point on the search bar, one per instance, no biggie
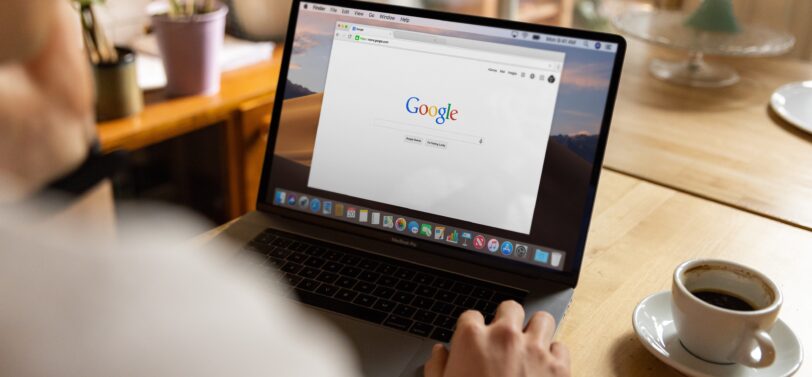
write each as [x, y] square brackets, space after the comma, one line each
[429, 131]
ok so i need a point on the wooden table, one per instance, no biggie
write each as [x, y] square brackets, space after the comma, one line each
[720, 144]
[640, 232]
[245, 96]
[164, 118]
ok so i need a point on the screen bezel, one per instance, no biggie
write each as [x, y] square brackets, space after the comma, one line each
[567, 277]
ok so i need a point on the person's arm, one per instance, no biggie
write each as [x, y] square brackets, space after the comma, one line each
[502, 349]
[46, 99]
[24, 26]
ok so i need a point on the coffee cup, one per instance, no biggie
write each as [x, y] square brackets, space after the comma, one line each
[723, 312]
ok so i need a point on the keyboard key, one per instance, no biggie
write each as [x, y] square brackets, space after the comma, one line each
[445, 322]
[422, 302]
[367, 264]
[445, 296]
[365, 300]
[424, 316]
[350, 271]
[405, 311]
[424, 279]
[406, 286]
[309, 272]
[293, 279]
[364, 287]
[489, 308]
[457, 312]
[342, 307]
[442, 335]
[488, 319]
[346, 295]
[403, 273]
[383, 292]
[441, 283]
[465, 301]
[281, 242]
[482, 293]
[398, 322]
[421, 329]
[333, 255]
[276, 261]
[462, 288]
[315, 262]
[291, 267]
[369, 276]
[442, 308]
[350, 260]
[346, 282]
[386, 269]
[306, 247]
[332, 267]
[387, 281]
[403, 297]
[425, 291]
[327, 290]
[280, 253]
[384, 305]
[297, 258]
[308, 285]
[481, 305]
[327, 277]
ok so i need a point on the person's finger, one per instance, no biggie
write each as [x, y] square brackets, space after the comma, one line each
[436, 364]
[471, 317]
[560, 352]
[541, 328]
[510, 312]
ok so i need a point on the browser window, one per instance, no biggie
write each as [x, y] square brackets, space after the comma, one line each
[443, 125]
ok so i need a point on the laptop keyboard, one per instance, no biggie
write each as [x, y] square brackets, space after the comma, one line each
[386, 291]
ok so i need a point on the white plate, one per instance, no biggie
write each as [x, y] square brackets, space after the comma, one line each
[793, 102]
[655, 328]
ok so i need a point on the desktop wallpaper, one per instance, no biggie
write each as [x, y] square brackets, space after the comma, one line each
[571, 147]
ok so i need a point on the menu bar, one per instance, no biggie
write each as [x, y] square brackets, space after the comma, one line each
[455, 26]
[426, 230]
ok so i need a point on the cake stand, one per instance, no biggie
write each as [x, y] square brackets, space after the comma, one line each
[666, 28]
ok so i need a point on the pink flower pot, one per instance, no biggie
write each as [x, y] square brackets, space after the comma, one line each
[190, 49]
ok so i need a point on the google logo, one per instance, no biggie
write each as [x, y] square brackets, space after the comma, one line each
[413, 106]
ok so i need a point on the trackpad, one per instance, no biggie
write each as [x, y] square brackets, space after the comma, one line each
[383, 352]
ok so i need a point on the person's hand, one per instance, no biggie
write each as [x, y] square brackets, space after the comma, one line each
[46, 101]
[501, 349]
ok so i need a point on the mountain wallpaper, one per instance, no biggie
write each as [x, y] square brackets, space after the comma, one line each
[584, 145]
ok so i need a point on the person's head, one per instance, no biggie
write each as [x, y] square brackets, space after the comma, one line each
[46, 96]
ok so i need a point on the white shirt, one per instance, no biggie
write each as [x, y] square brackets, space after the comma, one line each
[151, 305]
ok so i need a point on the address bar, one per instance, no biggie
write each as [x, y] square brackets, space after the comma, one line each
[435, 45]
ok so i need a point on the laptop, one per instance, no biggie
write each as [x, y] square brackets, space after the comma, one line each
[420, 164]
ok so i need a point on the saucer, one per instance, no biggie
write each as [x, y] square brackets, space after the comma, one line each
[655, 328]
[793, 103]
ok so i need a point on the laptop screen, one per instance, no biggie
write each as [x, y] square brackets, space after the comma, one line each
[478, 138]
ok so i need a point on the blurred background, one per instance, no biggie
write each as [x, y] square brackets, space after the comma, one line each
[205, 152]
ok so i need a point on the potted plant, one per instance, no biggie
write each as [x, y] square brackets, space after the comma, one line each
[117, 91]
[190, 37]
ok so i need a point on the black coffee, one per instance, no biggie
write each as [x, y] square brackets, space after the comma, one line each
[724, 300]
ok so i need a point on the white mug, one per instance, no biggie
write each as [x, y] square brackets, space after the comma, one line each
[721, 335]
